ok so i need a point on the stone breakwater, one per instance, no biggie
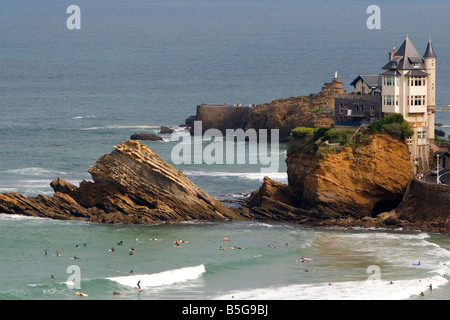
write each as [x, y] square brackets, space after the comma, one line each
[131, 185]
[315, 110]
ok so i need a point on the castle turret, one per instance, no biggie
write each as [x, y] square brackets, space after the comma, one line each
[430, 68]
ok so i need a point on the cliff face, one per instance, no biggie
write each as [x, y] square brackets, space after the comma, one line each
[351, 188]
[363, 181]
[131, 185]
[315, 110]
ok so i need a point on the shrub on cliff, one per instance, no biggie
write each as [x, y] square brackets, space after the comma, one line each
[337, 136]
[301, 132]
[393, 125]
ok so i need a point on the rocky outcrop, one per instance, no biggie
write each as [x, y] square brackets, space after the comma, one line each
[166, 130]
[315, 110]
[146, 136]
[354, 187]
[130, 185]
[357, 182]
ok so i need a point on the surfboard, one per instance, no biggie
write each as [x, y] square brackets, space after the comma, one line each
[416, 264]
[81, 294]
[304, 259]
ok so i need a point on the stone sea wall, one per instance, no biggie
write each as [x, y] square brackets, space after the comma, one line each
[426, 204]
[315, 110]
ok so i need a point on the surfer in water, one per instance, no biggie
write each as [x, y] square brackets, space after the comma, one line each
[139, 285]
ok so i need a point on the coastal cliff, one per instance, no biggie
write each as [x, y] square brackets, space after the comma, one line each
[366, 184]
[358, 182]
[131, 185]
[315, 110]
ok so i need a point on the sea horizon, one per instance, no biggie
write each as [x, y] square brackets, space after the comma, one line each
[68, 96]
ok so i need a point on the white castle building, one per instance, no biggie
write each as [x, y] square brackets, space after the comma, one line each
[407, 86]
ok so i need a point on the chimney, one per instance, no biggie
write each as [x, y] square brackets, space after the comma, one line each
[391, 54]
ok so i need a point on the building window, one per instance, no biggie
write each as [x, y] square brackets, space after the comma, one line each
[396, 100]
[389, 81]
[418, 100]
[389, 100]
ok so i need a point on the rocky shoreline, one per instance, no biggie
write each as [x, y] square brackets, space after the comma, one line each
[135, 186]
[131, 185]
[370, 186]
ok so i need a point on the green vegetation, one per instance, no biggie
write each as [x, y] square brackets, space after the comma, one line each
[301, 132]
[321, 141]
[437, 139]
[393, 125]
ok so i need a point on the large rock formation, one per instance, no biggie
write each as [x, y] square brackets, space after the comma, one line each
[131, 185]
[315, 110]
[362, 181]
[349, 188]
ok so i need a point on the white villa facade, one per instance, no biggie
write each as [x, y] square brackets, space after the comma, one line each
[408, 87]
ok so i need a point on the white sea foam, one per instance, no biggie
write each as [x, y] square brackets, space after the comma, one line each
[348, 290]
[34, 171]
[278, 176]
[83, 117]
[161, 278]
[119, 126]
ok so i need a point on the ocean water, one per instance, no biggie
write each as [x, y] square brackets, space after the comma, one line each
[68, 96]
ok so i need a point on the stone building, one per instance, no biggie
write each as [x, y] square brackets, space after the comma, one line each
[408, 88]
[355, 109]
[367, 84]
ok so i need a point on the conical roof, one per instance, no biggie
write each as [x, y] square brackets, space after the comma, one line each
[429, 52]
[406, 58]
